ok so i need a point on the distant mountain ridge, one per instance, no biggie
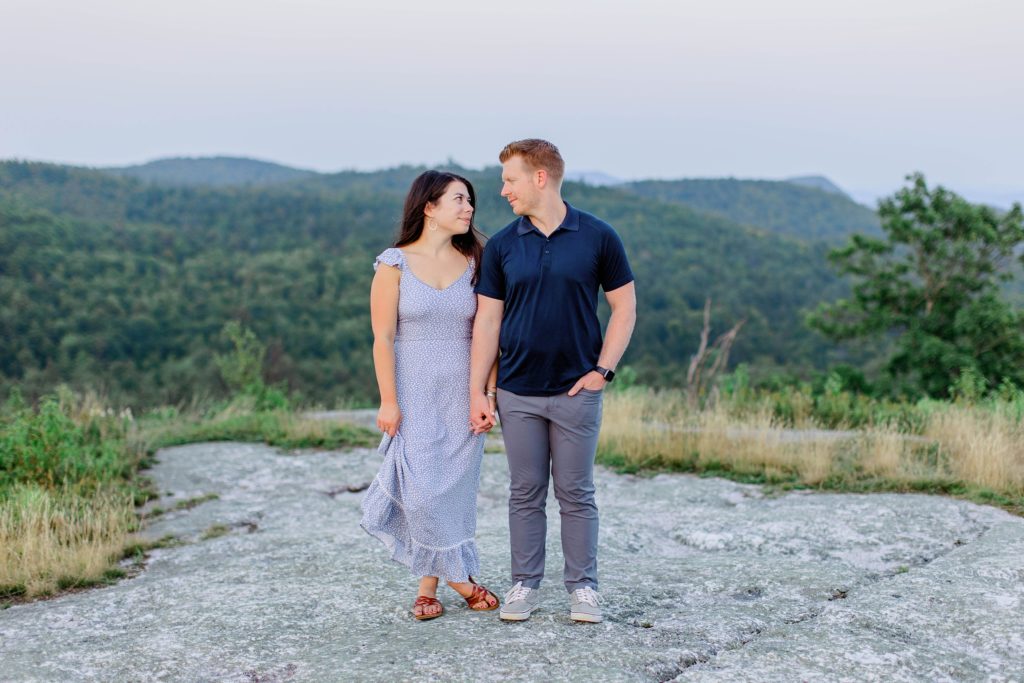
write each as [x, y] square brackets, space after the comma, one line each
[597, 178]
[779, 206]
[819, 182]
[217, 171]
[807, 207]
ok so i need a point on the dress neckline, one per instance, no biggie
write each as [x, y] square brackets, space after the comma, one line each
[469, 267]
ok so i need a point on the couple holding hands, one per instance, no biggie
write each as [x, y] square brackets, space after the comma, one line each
[442, 308]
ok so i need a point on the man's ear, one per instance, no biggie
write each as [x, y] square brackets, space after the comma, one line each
[541, 178]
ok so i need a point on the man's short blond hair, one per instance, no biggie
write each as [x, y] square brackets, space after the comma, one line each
[537, 154]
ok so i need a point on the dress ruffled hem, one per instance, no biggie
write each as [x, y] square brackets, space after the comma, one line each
[385, 520]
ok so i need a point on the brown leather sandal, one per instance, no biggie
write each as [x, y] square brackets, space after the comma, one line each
[479, 595]
[424, 601]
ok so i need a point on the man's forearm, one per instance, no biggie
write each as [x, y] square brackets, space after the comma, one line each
[483, 351]
[616, 338]
[492, 376]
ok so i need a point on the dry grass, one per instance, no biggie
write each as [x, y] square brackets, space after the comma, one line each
[52, 540]
[884, 453]
[971, 450]
[758, 444]
[644, 428]
[981, 447]
[656, 429]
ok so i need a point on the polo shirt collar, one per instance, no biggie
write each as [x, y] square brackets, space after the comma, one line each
[570, 222]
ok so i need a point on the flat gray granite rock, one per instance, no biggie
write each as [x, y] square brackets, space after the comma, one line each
[704, 579]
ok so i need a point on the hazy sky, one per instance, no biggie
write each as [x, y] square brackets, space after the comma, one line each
[863, 92]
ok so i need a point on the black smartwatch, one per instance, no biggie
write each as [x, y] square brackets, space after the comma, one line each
[608, 375]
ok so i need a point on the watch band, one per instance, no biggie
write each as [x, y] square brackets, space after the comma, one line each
[608, 375]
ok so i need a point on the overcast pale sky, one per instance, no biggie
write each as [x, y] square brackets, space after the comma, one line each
[863, 92]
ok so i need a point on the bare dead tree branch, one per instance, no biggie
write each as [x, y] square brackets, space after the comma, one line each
[699, 376]
[693, 371]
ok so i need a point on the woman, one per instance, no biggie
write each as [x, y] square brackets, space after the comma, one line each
[422, 503]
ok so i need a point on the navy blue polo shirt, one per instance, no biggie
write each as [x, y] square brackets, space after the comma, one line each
[550, 333]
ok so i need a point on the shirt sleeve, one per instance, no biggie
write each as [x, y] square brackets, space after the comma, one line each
[614, 270]
[492, 277]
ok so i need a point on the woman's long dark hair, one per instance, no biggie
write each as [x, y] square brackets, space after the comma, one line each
[429, 187]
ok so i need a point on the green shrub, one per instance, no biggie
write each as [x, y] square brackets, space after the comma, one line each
[46, 446]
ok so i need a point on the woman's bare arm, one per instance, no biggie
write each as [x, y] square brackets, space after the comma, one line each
[384, 321]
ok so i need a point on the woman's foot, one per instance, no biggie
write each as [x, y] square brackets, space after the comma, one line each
[476, 596]
[427, 606]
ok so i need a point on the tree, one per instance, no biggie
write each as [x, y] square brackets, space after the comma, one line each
[707, 362]
[932, 284]
[242, 369]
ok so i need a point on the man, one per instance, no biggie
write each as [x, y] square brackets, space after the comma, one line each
[537, 302]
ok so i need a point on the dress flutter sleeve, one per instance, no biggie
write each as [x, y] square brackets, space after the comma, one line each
[390, 257]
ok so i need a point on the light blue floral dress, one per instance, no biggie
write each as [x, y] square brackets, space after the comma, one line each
[422, 503]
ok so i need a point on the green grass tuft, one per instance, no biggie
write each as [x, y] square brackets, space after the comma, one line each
[215, 531]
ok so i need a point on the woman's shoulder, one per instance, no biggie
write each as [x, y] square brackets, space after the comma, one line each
[392, 256]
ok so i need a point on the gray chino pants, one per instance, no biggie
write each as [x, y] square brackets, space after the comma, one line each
[552, 437]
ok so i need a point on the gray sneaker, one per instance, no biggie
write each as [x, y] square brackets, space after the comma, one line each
[585, 605]
[519, 603]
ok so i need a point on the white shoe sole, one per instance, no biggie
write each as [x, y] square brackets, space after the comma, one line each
[583, 616]
[516, 616]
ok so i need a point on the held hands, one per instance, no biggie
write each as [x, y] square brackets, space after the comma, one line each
[593, 381]
[481, 412]
[388, 418]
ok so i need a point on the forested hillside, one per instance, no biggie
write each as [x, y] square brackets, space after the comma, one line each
[810, 208]
[783, 207]
[114, 283]
[818, 182]
[217, 171]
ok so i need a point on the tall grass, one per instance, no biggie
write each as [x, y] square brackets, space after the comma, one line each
[974, 450]
[52, 539]
[70, 482]
[984, 447]
[68, 487]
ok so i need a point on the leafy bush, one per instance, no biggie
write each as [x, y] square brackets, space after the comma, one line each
[48, 447]
[242, 370]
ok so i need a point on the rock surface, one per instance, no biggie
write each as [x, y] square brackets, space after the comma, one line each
[704, 579]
